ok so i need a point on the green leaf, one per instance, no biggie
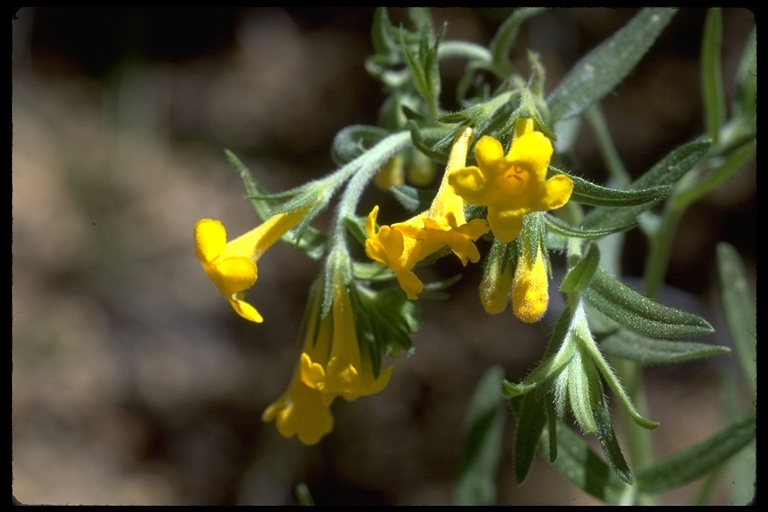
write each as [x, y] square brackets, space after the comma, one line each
[711, 73]
[733, 162]
[737, 300]
[353, 141]
[628, 345]
[385, 322]
[584, 468]
[482, 442]
[746, 80]
[562, 228]
[413, 199]
[305, 238]
[694, 462]
[665, 173]
[530, 424]
[609, 443]
[501, 44]
[586, 192]
[579, 277]
[602, 69]
[639, 313]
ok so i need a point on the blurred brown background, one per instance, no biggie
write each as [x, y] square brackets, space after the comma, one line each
[133, 380]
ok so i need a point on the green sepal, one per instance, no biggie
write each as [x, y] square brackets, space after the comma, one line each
[665, 173]
[602, 69]
[482, 448]
[579, 277]
[698, 460]
[583, 467]
[588, 193]
[639, 313]
[628, 345]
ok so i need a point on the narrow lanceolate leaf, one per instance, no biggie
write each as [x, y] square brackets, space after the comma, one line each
[737, 299]
[562, 228]
[665, 173]
[609, 443]
[626, 344]
[602, 69]
[586, 192]
[530, 423]
[579, 277]
[482, 442]
[584, 468]
[694, 462]
[307, 239]
[639, 313]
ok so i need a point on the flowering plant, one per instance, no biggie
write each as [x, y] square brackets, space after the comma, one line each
[509, 201]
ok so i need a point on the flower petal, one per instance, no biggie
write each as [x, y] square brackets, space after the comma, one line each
[558, 191]
[506, 225]
[488, 151]
[244, 309]
[301, 411]
[210, 239]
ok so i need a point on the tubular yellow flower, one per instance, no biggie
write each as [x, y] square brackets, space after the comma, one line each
[342, 371]
[232, 265]
[513, 185]
[530, 289]
[330, 366]
[303, 411]
[402, 245]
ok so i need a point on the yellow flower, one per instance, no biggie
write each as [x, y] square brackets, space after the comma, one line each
[402, 245]
[232, 265]
[330, 366]
[301, 411]
[530, 288]
[340, 370]
[513, 185]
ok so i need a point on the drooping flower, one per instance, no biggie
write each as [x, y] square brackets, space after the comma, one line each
[342, 370]
[512, 185]
[402, 245]
[330, 366]
[232, 265]
[530, 288]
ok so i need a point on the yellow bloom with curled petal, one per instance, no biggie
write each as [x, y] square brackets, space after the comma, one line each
[341, 370]
[303, 411]
[402, 245]
[530, 288]
[330, 366]
[232, 265]
[512, 185]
